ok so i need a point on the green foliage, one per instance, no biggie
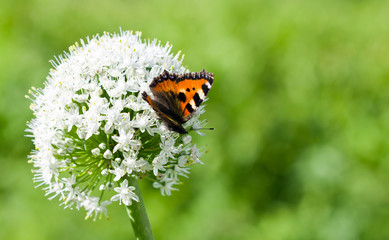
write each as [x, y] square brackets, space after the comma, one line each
[298, 105]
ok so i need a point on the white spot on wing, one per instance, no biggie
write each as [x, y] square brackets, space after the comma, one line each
[192, 104]
[201, 94]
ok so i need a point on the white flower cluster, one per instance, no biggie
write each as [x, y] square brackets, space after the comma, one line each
[92, 130]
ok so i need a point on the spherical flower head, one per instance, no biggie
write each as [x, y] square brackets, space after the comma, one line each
[92, 130]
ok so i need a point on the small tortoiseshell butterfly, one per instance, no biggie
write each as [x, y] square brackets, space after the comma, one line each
[178, 96]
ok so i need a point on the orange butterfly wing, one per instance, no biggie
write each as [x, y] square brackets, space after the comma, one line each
[178, 96]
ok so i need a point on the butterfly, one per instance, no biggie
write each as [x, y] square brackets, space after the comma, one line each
[176, 97]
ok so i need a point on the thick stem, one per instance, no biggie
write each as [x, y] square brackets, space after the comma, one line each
[138, 216]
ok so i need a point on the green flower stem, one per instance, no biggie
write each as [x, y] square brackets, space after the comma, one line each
[138, 216]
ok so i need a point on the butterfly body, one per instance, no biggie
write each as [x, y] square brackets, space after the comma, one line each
[176, 97]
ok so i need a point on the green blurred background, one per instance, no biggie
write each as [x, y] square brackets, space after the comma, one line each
[299, 107]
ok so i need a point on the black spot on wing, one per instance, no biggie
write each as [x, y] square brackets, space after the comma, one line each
[189, 107]
[210, 80]
[182, 97]
[197, 99]
[205, 89]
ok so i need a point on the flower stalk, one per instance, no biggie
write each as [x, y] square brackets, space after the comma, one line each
[138, 215]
